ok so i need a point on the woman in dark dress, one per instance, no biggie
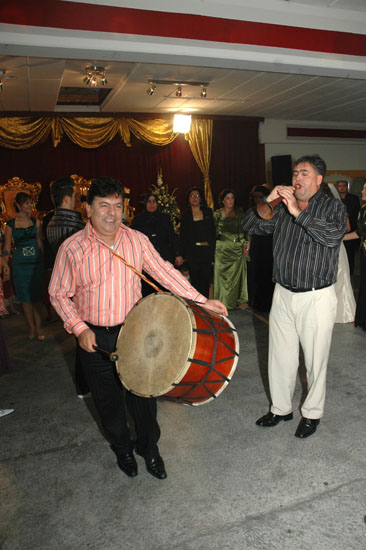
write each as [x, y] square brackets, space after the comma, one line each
[159, 229]
[360, 317]
[260, 284]
[198, 239]
[27, 265]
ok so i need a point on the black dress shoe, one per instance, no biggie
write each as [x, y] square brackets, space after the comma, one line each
[127, 464]
[270, 419]
[306, 427]
[155, 466]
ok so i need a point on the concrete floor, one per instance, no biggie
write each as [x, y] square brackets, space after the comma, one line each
[230, 485]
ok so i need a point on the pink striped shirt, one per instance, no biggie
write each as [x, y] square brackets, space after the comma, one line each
[90, 284]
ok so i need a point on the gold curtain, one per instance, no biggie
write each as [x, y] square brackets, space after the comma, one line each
[90, 133]
[200, 142]
[22, 133]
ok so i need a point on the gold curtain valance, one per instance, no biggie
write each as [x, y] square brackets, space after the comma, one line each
[90, 133]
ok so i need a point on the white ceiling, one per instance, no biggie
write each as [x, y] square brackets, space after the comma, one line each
[309, 86]
[33, 85]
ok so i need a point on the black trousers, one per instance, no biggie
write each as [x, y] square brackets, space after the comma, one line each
[81, 385]
[200, 276]
[110, 399]
[351, 248]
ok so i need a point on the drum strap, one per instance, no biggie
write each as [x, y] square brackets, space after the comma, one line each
[135, 270]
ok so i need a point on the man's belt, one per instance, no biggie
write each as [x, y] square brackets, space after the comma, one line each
[291, 289]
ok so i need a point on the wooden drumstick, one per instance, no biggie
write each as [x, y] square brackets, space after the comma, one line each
[113, 356]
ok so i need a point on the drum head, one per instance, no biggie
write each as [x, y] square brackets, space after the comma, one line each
[154, 344]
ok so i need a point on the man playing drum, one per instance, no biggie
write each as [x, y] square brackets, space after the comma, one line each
[93, 291]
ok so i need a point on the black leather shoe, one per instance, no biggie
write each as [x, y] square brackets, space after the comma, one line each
[270, 419]
[127, 464]
[306, 427]
[155, 466]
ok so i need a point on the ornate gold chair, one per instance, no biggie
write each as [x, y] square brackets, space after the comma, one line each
[9, 190]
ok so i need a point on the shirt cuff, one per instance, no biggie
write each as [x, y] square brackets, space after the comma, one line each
[77, 328]
[200, 299]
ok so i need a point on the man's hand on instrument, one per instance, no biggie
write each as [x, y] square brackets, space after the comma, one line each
[87, 340]
[274, 194]
[216, 306]
[289, 199]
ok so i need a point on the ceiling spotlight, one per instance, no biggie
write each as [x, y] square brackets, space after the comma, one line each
[93, 73]
[178, 93]
[203, 92]
[151, 90]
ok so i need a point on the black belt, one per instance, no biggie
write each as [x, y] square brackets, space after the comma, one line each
[305, 289]
[111, 330]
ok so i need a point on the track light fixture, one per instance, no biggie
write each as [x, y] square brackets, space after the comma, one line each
[151, 90]
[93, 73]
[178, 87]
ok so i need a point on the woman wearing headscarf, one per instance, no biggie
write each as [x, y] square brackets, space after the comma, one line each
[159, 229]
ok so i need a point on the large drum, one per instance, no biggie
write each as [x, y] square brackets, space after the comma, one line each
[174, 348]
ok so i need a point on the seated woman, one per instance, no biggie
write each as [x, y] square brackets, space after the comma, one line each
[27, 265]
[197, 240]
[231, 256]
[159, 229]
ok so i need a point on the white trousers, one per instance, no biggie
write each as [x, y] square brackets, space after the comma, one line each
[305, 318]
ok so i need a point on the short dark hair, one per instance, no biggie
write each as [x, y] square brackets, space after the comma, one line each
[61, 188]
[222, 195]
[21, 198]
[202, 196]
[316, 162]
[104, 187]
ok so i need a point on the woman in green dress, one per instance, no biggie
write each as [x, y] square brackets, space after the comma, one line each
[232, 253]
[27, 264]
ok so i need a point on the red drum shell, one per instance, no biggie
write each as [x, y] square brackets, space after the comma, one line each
[173, 348]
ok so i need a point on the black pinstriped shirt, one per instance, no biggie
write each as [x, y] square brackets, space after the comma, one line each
[306, 248]
[62, 225]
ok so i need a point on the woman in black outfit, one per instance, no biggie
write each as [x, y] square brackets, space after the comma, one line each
[159, 229]
[198, 240]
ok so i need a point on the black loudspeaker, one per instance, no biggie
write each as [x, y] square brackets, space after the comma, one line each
[281, 170]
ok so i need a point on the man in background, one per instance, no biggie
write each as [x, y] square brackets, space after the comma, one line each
[64, 223]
